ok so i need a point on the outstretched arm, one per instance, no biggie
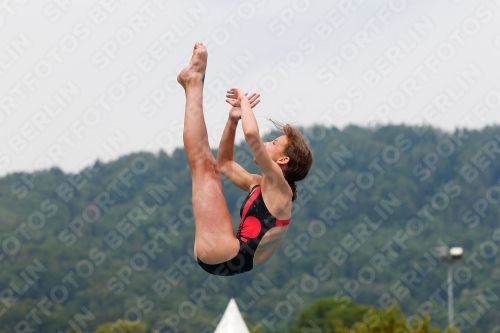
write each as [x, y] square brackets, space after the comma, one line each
[225, 160]
[251, 130]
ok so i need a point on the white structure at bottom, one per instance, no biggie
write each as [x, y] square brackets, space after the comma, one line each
[232, 321]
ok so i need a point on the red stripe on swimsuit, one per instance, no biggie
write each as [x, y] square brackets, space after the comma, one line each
[250, 201]
[280, 223]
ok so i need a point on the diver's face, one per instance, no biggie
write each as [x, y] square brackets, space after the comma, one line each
[275, 148]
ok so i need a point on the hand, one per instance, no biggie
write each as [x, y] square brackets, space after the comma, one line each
[234, 97]
[235, 112]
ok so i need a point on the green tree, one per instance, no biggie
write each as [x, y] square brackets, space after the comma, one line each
[334, 315]
[329, 314]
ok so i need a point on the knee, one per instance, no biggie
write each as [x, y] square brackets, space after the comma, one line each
[204, 253]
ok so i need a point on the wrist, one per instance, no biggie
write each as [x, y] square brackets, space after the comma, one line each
[234, 120]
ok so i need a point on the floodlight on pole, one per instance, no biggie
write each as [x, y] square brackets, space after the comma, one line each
[450, 255]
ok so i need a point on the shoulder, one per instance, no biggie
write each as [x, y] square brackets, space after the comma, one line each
[278, 200]
[278, 186]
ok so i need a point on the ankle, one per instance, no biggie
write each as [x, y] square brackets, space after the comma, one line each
[193, 83]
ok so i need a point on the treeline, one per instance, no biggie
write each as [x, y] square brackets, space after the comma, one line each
[115, 240]
[326, 315]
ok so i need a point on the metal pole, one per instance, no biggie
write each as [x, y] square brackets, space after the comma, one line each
[450, 294]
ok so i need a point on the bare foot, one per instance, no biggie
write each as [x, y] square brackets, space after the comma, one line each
[197, 66]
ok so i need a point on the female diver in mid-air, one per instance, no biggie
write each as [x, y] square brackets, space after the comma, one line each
[265, 213]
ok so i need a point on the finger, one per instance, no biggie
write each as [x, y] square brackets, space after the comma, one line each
[255, 103]
[253, 96]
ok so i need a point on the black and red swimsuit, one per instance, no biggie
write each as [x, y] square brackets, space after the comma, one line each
[256, 220]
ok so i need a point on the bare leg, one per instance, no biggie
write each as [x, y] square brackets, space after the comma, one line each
[214, 236]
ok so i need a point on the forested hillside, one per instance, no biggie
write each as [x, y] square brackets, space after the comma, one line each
[115, 240]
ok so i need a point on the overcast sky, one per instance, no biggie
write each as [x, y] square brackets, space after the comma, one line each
[82, 80]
